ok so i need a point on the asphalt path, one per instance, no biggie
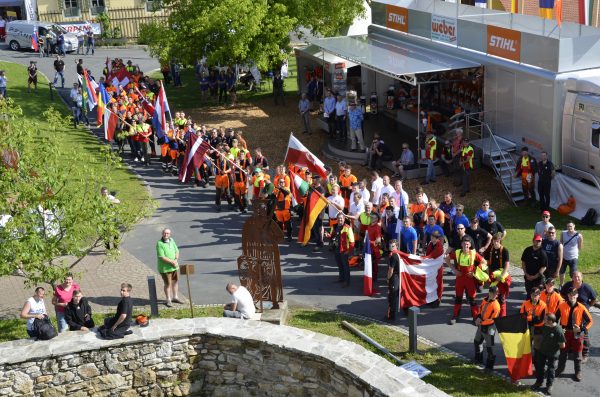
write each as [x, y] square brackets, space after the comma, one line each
[212, 242]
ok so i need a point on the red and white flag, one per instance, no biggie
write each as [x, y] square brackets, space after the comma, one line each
[420, 279]
[194, 157]
[368, 272]
[298, 154]
[110, 124]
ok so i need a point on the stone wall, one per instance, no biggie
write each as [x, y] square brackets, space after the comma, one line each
[202, 357]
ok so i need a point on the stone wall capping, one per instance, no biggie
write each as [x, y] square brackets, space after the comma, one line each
[213, 356]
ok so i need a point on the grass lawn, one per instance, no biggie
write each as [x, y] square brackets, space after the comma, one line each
[133, 195]
[450, 374]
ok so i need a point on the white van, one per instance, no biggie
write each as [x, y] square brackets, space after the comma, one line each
[19, 33]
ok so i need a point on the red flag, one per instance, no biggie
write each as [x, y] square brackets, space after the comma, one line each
[194, 157]
[420, 281]
[110, 124]
[298, 154]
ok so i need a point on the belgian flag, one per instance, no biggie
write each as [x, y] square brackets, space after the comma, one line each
[516, 341]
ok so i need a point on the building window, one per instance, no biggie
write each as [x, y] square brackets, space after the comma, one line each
[97, 7]
[153, 5]
[71, 9]
[595, 134]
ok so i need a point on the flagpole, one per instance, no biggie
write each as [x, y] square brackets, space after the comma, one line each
[288, 146]
[225, 157]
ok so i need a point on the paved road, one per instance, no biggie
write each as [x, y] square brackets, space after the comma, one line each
[212, 242]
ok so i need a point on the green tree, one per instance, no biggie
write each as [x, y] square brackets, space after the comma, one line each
[240, 31]
[49, 207]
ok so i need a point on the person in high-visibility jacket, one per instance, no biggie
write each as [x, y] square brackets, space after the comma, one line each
[576, 320]
[431, 149]
[283, 204]
[259, 180]
[488, 311]
[464, 262]
[222, 180]
[346, 181]
[498, 266]
[526, 169]
[466, 164]
[342, 238]
[240, 186]
[534, 310]
[551, 296]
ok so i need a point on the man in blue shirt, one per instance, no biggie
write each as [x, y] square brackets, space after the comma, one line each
[408, 236]
[329, 113]
[460, 218]
[483, 212]
[355, 116]
[429, 228]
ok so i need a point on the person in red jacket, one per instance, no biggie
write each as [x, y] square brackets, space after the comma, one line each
[463, 263]
[342, 237]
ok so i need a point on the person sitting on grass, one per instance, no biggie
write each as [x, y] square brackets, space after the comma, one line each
[78, 313]
[242, 305]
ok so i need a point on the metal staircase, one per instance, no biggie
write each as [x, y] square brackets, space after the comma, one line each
[497, 153]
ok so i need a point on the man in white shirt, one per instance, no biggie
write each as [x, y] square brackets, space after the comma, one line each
[376, 185]
[336, 204]
[542, 226]
[387, 188]
[242, 305]
[362, 188]
[340, 117]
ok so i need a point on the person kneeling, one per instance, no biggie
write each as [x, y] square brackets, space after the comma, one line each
[242, 305]
[78, 313]
[118, 326]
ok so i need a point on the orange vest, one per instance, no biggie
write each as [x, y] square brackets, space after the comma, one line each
[552, 300]
[488, 311]
[284, 201]
[535, 314]
[579, 311]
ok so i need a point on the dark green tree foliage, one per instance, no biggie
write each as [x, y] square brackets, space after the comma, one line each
[242, 31]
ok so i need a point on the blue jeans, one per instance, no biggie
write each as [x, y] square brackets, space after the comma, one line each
[3, 92]
[62, 78]
[62, 322]
[430, 177]
[90, 45]
[61, 49]
[232, 314]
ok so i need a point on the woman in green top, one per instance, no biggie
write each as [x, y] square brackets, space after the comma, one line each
[168, 255]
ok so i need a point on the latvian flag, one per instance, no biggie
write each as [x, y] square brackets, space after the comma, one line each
[420, 280]
[298, 154]
[368, 272]
[194, 157]
[516, 342]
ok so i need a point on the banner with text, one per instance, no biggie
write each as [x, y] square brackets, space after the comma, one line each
[443, 29]
[396, 18]
[504, 43]
[76, 27]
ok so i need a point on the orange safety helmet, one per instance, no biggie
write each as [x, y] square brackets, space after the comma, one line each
[142, 320]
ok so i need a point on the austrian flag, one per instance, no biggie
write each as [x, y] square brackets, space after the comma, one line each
[298, 154]
[420, 280]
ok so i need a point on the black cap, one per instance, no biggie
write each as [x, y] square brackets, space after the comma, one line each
[316, 176]
[573, 291]
[550, 280]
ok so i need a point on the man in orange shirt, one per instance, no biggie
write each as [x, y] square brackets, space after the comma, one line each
[222, 179]
[240, 186]
[526, 169]
[346, 181]
[488, 312]
[283, 203]
[281, 174]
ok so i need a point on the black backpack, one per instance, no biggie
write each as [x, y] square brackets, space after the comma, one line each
[43, 329]
[590, 217]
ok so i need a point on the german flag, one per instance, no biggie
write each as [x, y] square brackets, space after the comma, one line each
[516, 341]
[315, 204]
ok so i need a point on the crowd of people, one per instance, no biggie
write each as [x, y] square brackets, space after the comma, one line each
[378, 212]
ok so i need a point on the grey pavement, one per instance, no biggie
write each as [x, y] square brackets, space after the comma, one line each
[212, 242]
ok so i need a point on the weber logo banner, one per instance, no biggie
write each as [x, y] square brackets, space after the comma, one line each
[504, 43]
[443, 29]
[396, 18]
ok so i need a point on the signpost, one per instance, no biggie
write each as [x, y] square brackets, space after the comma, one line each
[187, 270]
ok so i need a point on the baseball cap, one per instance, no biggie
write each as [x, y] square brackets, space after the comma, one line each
[550, 280]
[537, 237]
[257, 169]
[546, 213]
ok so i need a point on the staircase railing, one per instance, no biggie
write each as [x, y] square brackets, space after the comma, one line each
[501, 160]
